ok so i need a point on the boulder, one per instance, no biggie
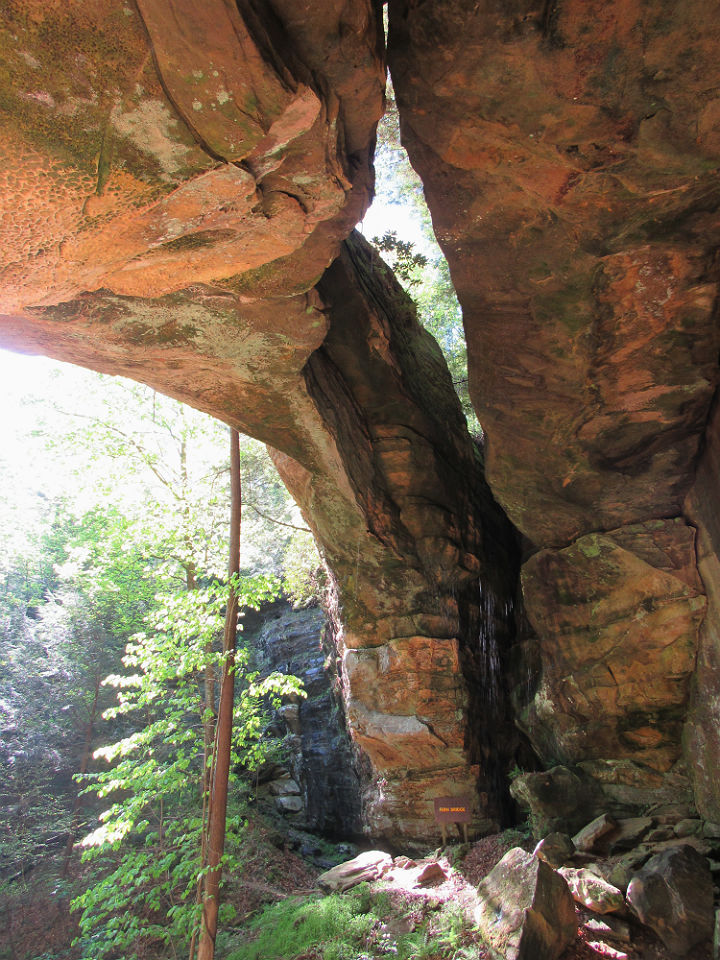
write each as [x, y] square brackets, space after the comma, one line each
[526, 910]
[431, 872]
[588, 837]
[609, 927]
[617, 871]
[555, 849]
[291, 804]
[285, 787]
[591, 891]
[688, 828]
[629, 831]
[671, 812]
[368, 866]
[290, 712]
[557, 799]
[673, 895]
[660, 835]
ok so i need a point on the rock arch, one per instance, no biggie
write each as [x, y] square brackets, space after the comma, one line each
[179, 184]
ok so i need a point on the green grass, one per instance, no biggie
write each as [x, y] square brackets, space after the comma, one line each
[350, 926]
[337, 924]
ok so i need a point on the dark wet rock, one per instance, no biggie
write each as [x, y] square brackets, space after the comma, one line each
[309, 850]
[558, 800]
[322, 768]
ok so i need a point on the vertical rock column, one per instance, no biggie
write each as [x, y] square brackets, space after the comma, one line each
[414, 571]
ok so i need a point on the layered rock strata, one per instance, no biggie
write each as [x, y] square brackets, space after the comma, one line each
[569, 154]
[321, 770]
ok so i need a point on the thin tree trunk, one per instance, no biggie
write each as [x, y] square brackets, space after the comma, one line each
[77, 804]
[208, 706]
[217, 807]
[208, 725]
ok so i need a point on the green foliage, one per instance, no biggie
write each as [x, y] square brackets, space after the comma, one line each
[406, 262]
[163, 464]
[419, 263]
[120, 509]
[304, 575]
[353, 926]
[148, 843]
[337, 926]
[518, 836]
[62, 627]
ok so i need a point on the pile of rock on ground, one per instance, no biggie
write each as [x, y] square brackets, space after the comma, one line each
[639, 888]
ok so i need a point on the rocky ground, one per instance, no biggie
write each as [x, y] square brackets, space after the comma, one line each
[672, 893]
[419, 895]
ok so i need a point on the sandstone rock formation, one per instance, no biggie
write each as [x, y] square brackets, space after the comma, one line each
[569, 153]
[179, 181]
[184, 239]
[617, 615]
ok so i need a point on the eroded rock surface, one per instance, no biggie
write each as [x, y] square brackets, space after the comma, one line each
[569, 155]
[152, 146]
[702, 732]
[569, 159]
[417, 645]
[618, 616]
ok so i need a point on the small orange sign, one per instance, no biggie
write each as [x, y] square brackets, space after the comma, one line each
[452, 810]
